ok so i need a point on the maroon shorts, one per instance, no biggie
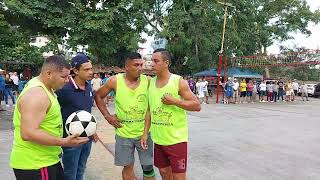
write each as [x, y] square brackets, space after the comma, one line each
[174, 156]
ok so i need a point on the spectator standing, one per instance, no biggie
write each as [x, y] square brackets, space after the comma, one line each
[275, 91]
[255, 91]
[304, 91]
[96, 83]
[263, 90]
[204, 87]
[243, 91]
[15, 79]
[250, 88]
[235, 90]
[270, 91]
[295, 86]
[289, 91]
[2, 87]
[200, 93]
[8, 90]
[192, 85]
[281, 91]
[229, 90]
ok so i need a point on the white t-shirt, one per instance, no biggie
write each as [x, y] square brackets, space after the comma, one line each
[263, 87]
[235, 86]
[96, 83]
[204, 86]
[15, 79]
[295, 86]
[304, 88]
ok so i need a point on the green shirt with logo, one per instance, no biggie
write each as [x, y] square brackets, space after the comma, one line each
[168, 122]
[131, 107]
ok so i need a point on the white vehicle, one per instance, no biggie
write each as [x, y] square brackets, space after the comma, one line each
[310, 89]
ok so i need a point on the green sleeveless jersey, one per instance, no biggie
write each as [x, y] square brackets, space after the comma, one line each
[131, 107]
[29, 155]
[168, 122]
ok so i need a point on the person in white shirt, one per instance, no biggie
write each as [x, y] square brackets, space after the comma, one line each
[199, 89]
[15, 79]
[295, 86]
[96, 83]
[263, 90]
[304, 91]
[204, 86]
[235, 90]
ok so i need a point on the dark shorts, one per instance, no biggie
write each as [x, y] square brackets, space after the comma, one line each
[54, 172]
[174, 156]
[1, 95]
[295, 92]
[15, 87]
[243, 93]
[263, 93]
[249, 93]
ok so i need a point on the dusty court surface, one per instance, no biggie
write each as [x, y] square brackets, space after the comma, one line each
[244, 141]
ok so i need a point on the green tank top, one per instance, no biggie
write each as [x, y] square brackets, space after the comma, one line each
[29, 155]
[131, 107]
[168, 123]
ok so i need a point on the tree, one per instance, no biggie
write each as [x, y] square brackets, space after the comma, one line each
[193, 28]
[14, 43]
[105, 26]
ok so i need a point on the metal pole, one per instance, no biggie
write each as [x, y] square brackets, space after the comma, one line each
[221, 51]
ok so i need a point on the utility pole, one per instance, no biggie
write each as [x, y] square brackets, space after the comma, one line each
[226, 5]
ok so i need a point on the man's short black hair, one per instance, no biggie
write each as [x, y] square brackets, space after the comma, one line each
[165, 54]
[133, 55]
[57, 62]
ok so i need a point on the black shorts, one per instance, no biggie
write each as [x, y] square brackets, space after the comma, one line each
[1, 95]
[54, 172]
[15, 87]
[243, 93]
[295, 92]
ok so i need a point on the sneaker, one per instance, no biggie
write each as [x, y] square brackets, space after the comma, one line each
[7, 105]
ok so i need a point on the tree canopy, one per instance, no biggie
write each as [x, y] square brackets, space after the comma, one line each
[111, 28]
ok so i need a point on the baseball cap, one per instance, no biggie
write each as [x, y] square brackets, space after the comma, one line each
[78, 60]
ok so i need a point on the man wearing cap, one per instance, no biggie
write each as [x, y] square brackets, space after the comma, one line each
[2, 86]
[74, 96]
[235, 90]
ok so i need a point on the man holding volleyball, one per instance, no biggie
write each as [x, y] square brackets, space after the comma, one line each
[74, 96]
[131, 106]
[38, 125]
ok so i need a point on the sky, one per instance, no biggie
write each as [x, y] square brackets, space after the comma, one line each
[311, 42]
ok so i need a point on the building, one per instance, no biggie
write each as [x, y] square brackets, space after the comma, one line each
[159, 43]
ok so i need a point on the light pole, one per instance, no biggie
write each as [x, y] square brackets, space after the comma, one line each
[226, 5]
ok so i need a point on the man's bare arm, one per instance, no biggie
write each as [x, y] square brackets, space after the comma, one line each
[33, 107]
[189, 101]
[102, 93]
[110, 85]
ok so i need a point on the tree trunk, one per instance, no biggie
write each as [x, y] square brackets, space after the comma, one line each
[197, 50]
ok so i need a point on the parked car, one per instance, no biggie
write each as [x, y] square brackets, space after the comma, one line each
[316, 93]
[310, 89]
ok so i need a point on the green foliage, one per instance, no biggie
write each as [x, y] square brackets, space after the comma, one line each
[111, 28]
[194, 28]
[105, 26]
